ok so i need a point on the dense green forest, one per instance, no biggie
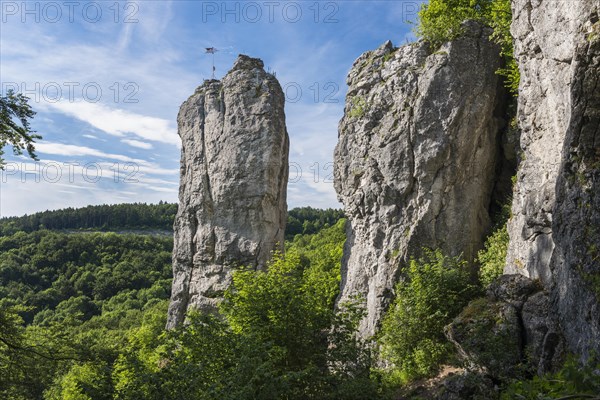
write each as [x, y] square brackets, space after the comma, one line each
[82, 317]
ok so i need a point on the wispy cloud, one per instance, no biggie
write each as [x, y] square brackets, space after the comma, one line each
[118, 122]
[137, 143]
[61, 149]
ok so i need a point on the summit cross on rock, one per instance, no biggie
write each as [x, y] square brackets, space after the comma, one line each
[212, 50]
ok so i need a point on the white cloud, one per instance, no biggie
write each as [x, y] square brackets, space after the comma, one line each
[60, 149]
[137, 143]
[119, 122]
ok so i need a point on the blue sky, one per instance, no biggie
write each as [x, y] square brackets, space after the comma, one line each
[107, 79]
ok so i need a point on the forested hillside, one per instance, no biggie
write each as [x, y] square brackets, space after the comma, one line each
[76, 276]
[82, 317]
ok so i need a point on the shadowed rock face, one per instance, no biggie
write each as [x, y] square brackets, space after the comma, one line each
[554, 232]
[416, 157]
[232, 195]
[512, 326]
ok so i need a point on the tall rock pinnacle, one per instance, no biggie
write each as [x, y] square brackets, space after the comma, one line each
[416, 158]
[232, 195]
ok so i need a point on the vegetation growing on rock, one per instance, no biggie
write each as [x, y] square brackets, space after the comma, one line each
[441, 20]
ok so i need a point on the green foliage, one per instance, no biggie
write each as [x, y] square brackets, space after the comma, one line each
[278, 338]
[500, 21]
[86, 381]
[15, 107]
[30, 357]
[289, 306]
[435, 290]
[441, 20]
[11, 343]
[72, 277]
[492, 259]
[81, 293]
[359, 107]
[320, 255]
[573, 381]
[308, 220]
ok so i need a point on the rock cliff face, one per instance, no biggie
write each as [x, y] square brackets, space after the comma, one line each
[232, 196]
[416, 158]
[547, 34]
[554, 232]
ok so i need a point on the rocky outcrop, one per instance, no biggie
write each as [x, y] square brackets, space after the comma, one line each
[556, 206]
[416, 158]
[512, 327]
[232, 195]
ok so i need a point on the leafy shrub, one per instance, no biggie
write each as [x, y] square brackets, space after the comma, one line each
[573, 381]
[500, 21]
[440, 20]
[435, 290]
[492, 258]
[288, 309]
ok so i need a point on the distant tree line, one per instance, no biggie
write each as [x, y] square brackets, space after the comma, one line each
[104, 217]
[142, 216]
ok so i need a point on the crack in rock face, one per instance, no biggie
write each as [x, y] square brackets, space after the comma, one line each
[232, 196]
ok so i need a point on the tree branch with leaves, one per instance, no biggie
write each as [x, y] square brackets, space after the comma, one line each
[15, 129]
